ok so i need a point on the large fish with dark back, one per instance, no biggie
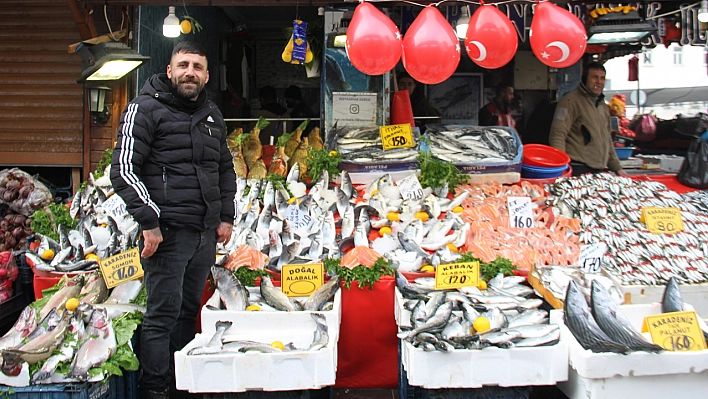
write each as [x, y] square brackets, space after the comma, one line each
[672, 302]
[233, 293]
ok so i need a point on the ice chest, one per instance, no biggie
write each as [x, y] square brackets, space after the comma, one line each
[468, 368]
[636, 375]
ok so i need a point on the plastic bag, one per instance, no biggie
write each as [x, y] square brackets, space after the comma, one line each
[694, 170]
[21, 192]
[693, 126]
[645, 128]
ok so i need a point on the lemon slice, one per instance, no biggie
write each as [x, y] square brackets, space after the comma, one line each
[277, 344]
[48, 254]
[427, 269]
[481, 324]
[71, 304]
[253, 308]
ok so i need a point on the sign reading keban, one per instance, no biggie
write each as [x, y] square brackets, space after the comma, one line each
[662, 220]
[456, 275]
[676, 331]
[297, 219]
[301, 279]
[410, 187]
[590, 258]
[520, 213]
[122, 267]
[396, 136]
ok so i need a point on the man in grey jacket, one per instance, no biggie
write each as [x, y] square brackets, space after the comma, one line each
[581, 125]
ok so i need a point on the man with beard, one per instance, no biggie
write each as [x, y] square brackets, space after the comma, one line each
[173, 169]
[497, 112]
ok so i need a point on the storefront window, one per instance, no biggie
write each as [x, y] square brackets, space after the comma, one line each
[678, 55]
[646, 56]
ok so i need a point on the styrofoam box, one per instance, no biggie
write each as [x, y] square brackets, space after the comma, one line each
[695, 294]
[240, 372]
[246, 321]
[544, 365]
[638, 374]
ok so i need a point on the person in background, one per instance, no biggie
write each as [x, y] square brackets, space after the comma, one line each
[419, 103]
[581, 125]
[270, 109]
[173, 169]
[293, 100]
[498, 112]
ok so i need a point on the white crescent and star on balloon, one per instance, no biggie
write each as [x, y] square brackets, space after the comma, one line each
[480, 47]
[565, 51]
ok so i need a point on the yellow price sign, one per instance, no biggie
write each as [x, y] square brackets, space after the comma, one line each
[301, 279]
[456, 275]
[396, 136]
[122, 267]
[662, 220]
[676, 331]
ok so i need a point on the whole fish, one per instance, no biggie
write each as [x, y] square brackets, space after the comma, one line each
[117, 309]
[321, 336]
[233, 293]
[347, 222]
[98, 345]
[534, 330]
[497, 319]
[71, 289]
[125, 292]
[582, 324]
[528, 317]
[317, 299]
[614, 323]
[501, 338]
[66, 350]
[551, 338]
[95, 290]
[274, 296]
[215, 344]
[24, 325]
[347, 185]
[672, 302]
[410, 246]
[437, 321]
[36, 350]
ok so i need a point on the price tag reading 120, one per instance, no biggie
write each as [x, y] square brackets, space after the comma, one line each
[396, 136]
[520, 214]
[456, 275]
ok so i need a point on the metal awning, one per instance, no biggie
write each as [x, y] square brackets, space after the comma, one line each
[652, 97]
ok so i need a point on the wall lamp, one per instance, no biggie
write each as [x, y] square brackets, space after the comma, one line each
[97, 102]
[463, 22]
[107, 61]
[171, 26]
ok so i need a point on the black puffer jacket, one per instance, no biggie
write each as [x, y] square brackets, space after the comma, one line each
[171, 164]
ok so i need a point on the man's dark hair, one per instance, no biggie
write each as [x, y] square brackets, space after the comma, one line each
[588, 67]
[189, 48]
[501, 87]
[268, 93]
[293, 92]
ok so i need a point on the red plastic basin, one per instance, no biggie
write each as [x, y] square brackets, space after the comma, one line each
[544, 156]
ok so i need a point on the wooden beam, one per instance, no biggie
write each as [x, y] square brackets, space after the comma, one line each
[83, 19]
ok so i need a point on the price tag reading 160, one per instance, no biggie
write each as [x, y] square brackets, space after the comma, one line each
[676, 331]
[456, 275]
[396, 136]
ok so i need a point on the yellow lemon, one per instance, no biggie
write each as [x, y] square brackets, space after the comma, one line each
[48, 254]
[333, 153]
[293, 200]
[427, 269]
[458, 209]
[71, 304]
[482, 285]
[185, 27]
[394, 216]
[481, 324]
[277, 344]
[93, 257]
[452, 248]
[385, 230]
[422, 216]
[253, 308]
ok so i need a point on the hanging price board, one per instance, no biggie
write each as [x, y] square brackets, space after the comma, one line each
[520, 214]
[662, 220]
[590, 258]
[676, 331]
[396, 136]
[410, 187]
[115, 207]
[122, 267]
[456, 275]
[301, 280]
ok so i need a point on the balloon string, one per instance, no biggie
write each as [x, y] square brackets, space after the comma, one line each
[481, 2]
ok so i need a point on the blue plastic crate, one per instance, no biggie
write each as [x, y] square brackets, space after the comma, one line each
[88, 390]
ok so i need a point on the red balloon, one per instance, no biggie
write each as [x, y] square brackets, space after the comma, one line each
[373, 41]
[431, 49]
[558, 38]
[491, 40]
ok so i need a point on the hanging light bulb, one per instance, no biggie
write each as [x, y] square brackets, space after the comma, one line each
[171, 26]
[463, 22]
[703, 11]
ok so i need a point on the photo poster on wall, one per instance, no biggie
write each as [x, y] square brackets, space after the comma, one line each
[459, 98]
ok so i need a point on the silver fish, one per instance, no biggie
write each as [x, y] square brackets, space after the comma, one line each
[117, 309]
[551, 338]
[437, 321]
[347, 185]
[342, 200]
[497, 319]
[534, 330]
[233, 293]
[294, 174]
[500, 337]
[528, 317]
[36, 350]
[361, 239]
[329, 231]
[275, 297]
[317, 299]
[321, 337]
[125, 292]
[410, 246]
[24, 325]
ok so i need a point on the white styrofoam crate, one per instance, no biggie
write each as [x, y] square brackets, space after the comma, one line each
[463, 368]
[245, 321]
[608, 365]
[695, 294]
[20, 380]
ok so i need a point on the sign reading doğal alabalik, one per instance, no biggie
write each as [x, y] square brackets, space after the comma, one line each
[354, 109]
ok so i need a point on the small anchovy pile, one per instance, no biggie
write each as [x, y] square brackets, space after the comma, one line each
[610, 208]
[219, 345]
[436, 323]
[465, 144]
[364, 146]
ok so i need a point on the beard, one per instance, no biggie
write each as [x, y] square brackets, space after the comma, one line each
[188, 93]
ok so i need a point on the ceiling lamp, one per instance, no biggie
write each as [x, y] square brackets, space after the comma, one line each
[703, 12]
[171, 26]
[463, 22]
[108, 61]
[620, 28]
